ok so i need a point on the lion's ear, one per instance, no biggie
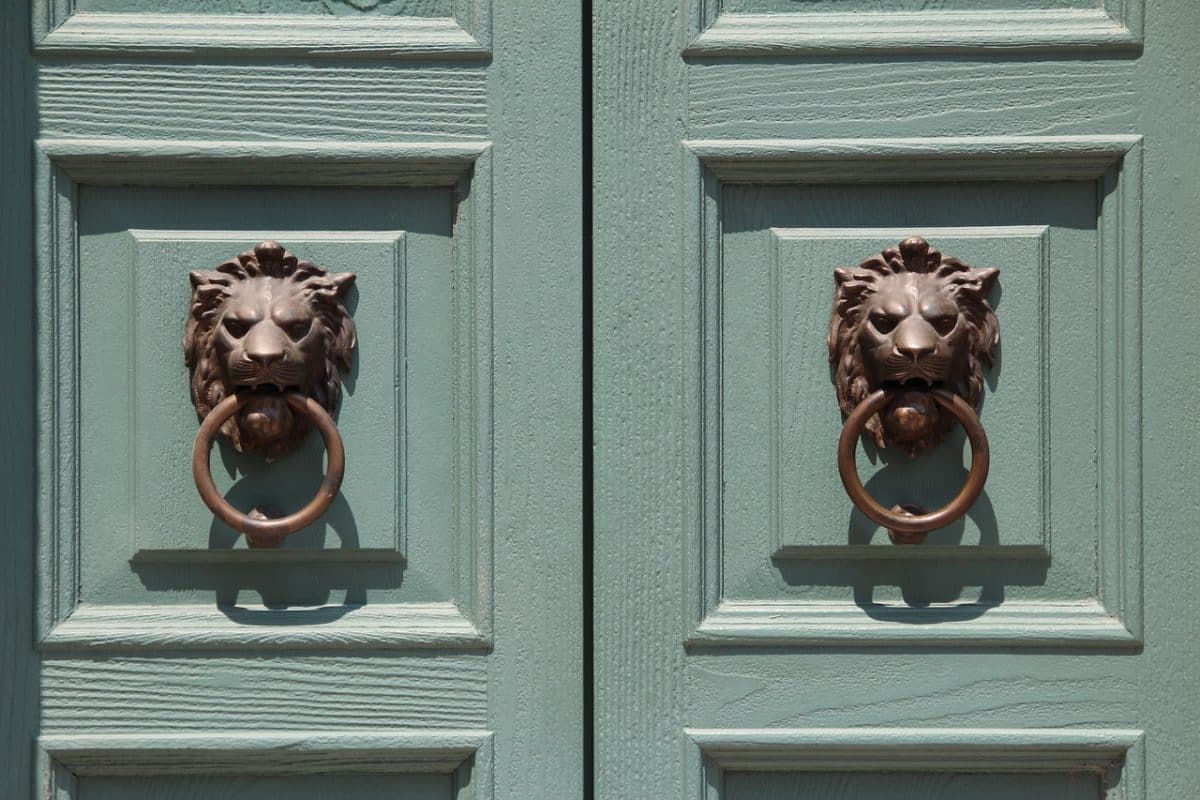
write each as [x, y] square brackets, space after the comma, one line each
[209, 289]
[341, 282]
[843, 275]
[987, 279]
[975, 284]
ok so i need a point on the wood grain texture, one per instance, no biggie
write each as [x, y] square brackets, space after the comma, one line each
[410, 786]
[733, 335]
[466, 323]
[177, 162]
[935, 786]
[1170, 338]
[272, 101]
[895, 159]
[361, 693]
[445, 30]
[937, 29]
[642, 402]
[296, 752]
[653, 372]
[857, 97]
[204, 628]
[261, 35]
[918, 688]
[915, 749]
[935, 762]
[19, 675]
[1019, 624]
[537, 705]
[284, 116]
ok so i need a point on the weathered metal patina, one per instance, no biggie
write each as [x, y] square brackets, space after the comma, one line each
[266, 339]
[910, 336]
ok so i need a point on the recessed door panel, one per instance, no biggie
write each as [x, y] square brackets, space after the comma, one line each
[908, 786]
[310, 787]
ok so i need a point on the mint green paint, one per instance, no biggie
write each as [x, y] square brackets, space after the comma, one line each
[753, 638]
[756, 638]
[424, 639]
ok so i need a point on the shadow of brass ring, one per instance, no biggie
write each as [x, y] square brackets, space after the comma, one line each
[268, 531]
[920, 523]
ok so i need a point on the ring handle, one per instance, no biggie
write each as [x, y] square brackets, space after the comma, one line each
[919, 523]
[268, 532]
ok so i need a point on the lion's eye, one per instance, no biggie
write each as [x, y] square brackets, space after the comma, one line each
[298, 330]
[236, 327]
[883, 323]
[944, 324]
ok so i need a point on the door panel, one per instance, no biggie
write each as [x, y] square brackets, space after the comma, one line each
[773, 413]
[878, 786]
[423, 638]
[755, 634]
[318, 787]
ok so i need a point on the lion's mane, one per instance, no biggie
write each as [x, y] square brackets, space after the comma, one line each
[968, 287]
[323, 291]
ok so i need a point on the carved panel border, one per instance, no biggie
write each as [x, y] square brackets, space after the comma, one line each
[63, 165]
[1116, 754]
[781, 547]
[59, 28]
[1113, 25]
[1114, 163]
[466, 755]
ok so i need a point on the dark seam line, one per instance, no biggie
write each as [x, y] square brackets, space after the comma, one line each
[587, 177]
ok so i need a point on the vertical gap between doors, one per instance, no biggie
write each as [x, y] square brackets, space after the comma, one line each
[589, 721]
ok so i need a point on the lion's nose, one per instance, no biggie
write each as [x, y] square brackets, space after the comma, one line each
[263, 349]
[266, 359]
[915, 338]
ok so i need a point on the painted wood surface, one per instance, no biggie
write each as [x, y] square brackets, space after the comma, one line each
[426, 641]
[812, 667]
[19, 670]
[878, 786]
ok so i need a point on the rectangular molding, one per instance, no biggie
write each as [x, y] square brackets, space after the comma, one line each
[59, 29]
[1013, 624]
[1114, 618]
[1116, 754]
[466, 755]
[930, 158]
[263, 753]
[64, 164]
[206, 628]
[172, 162]
[145, 553]
[1117, 25]
[783, 549]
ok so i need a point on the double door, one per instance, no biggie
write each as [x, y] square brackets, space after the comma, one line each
[591, 540]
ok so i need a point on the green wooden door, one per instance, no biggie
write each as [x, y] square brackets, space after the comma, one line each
[756, 637]
[752, 635]
[424, 638]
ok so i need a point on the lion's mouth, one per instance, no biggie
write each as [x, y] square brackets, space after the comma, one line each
[268, 388]
[914, 383]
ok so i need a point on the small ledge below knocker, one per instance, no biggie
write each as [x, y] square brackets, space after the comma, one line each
[266, 339]
[910, 336]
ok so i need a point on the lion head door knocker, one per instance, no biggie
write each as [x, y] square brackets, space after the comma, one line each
[266, 339]
[910, 336]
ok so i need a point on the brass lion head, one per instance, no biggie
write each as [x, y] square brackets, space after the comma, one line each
[911, 320]
[266, 323]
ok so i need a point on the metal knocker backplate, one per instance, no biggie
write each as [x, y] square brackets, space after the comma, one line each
[910, 336]
[266, 340]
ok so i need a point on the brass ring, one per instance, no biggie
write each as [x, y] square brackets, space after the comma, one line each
[921, 523]
[266, 531]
